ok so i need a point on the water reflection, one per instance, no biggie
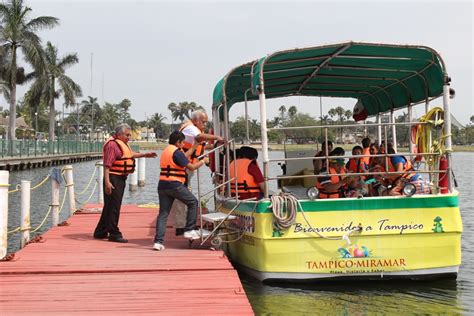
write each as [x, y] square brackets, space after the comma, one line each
[355, 298]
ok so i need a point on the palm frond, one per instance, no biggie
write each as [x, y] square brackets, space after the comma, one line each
[42, 22]
[68, 60]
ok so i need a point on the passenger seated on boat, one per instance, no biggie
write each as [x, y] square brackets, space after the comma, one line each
[356, 186]
[365, 151]
[321, 163]
[378, 183]
[400, 164]
[332, 185]
[250, 181]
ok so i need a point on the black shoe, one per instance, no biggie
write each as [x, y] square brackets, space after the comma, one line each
[118, 239]
[100, 236]
[179, 231]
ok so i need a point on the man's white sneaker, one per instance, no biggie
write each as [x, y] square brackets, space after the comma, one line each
[158, 246]
[192, 234]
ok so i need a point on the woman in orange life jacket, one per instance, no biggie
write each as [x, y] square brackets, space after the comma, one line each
[320, 163]
[119, 162]
[332, 185]
[400, 164]
[250, 181]
[173, 165]
[357, 187]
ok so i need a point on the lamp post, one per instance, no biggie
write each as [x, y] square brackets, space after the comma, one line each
[36, 124]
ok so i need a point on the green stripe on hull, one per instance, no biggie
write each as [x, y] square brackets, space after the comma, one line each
[425, 201]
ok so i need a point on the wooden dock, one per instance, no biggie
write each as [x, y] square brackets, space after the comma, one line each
[69, 272]
[31, 162]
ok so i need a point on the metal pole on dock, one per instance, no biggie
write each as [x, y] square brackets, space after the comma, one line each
[25, 212]
[100, 181]
[54, 201]
[132, 184]
[141, 171]
[4, 184]
[70, 189]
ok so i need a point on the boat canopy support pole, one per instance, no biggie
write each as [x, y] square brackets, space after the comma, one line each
[394, 130]
[410, 119]
[227, 151]
[447, 130]
[264, 138]
[379, 129]
[247, 137]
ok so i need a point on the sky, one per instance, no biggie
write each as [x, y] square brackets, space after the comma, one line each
[157, 52]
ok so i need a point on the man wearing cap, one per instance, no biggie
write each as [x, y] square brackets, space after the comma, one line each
[331, 185]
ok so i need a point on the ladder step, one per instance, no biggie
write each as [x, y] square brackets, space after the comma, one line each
[217, 217]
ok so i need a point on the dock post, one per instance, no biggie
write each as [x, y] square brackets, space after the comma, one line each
[54, 202]
[25, 212]
[4, 184]
[141, 171]
[100, 182]
[70, 189]
[132, 185]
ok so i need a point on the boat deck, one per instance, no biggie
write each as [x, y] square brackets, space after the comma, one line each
[70, 272]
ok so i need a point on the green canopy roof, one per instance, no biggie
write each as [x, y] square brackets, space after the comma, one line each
[382, 77]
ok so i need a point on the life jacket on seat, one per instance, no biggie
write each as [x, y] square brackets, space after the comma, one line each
[407, 167]
[245, 181]
[124, 165]
[199, 150]
[169, 170]
[323, 193]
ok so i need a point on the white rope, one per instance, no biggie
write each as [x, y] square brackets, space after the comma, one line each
[285, 207]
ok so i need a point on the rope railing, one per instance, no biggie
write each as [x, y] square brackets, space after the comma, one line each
[18, 187]
[89, 183]
[89, 198]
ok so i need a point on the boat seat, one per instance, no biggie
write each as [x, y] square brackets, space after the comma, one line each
[298, 191]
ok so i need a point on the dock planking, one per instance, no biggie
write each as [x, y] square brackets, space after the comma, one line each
[70, 272]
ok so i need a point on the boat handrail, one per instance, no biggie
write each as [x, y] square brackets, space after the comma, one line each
[217, 187]
[351, 174]
[347, 125]
[354, 156]
[215, 149]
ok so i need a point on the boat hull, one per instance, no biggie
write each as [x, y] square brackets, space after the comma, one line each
[400, 237]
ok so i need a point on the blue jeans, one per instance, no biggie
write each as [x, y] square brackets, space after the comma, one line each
[166, 197]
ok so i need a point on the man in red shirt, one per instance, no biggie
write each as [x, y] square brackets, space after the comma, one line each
[119, 162]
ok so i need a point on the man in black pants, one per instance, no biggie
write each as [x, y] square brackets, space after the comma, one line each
[119, 162]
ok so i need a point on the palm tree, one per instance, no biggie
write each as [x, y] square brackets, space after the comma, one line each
[17, 31]
[156, 121]
[292, 111]
[183, 110]
[52, 72]
[91, 108]
[282, 110]
[110, 116]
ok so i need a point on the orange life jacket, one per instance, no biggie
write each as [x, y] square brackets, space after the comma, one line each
[356, 167]
[245, 181]
[406, 167]
[124, 165]
[199, 150]
[323, 194]
[366, 158]
[169, 170]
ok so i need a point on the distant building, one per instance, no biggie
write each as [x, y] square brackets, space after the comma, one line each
[147, 134]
